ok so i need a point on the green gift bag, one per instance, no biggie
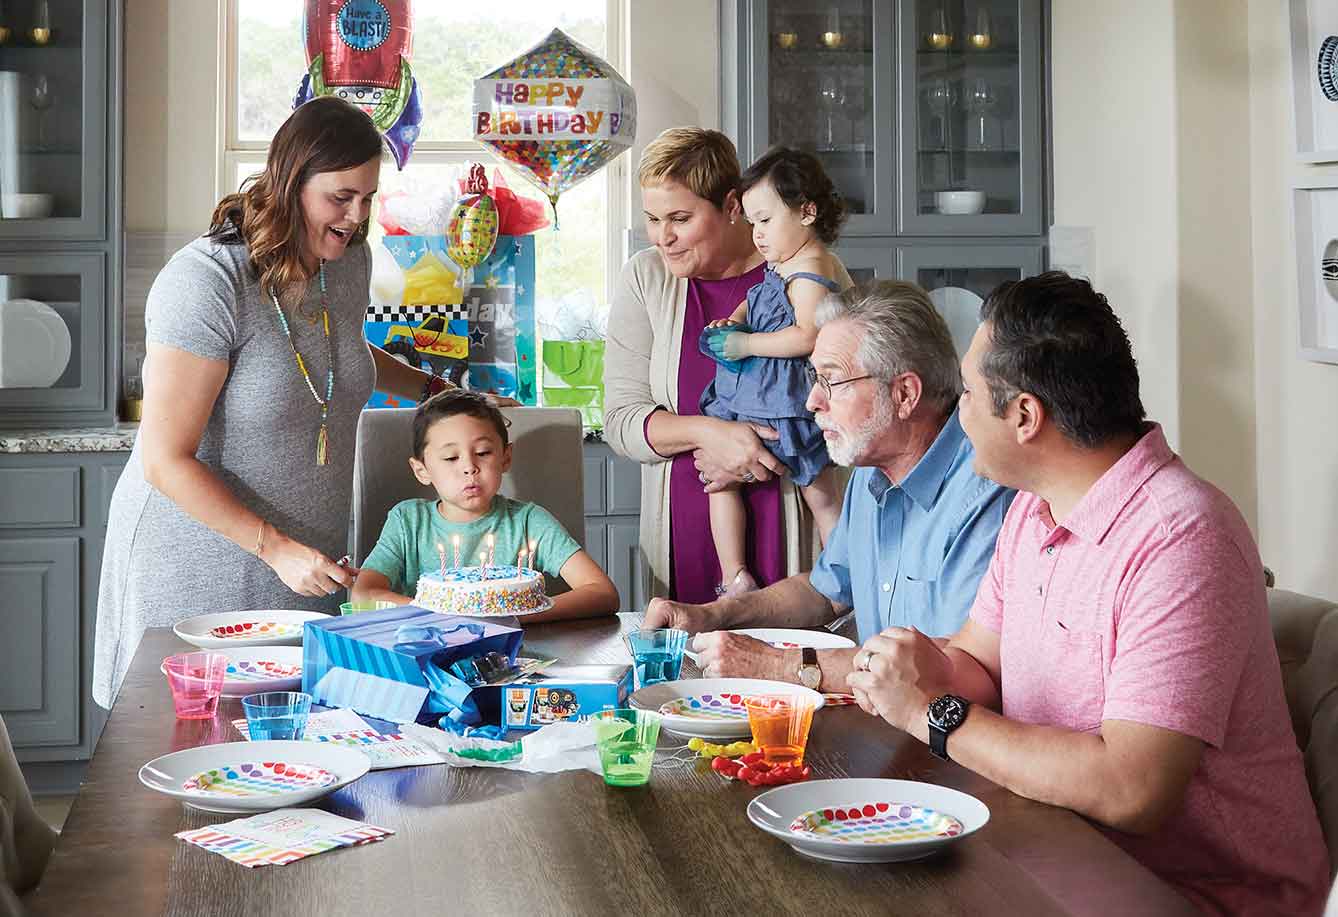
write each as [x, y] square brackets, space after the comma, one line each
[574, 377]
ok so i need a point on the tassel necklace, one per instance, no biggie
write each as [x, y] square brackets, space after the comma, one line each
[323, 438]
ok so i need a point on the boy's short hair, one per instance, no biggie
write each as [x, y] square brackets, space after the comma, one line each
[450, 403]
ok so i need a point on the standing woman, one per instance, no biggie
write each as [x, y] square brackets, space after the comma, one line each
[237, 492]
[702, 266]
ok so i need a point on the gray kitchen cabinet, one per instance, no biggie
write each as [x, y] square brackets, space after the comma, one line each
[69, 97]
[39, 695]
[61, 206]
[53, 522]
[613, 517]
[914, 107]
[969, 118]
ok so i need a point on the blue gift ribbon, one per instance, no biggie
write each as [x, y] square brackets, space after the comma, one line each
[449, 694]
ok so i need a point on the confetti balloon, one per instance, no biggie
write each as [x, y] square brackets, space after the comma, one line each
[359, 50]
[471, 231]
[558, 113]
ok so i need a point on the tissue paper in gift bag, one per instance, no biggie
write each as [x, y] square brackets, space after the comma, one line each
[392, 664]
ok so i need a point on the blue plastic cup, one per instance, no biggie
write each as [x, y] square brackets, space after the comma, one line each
[657, 655]
[276, 714]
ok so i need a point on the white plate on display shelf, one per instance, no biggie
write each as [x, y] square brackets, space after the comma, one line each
[227, 629]
[867, 820]
[710, 708]
[254, 776]
[785, 637]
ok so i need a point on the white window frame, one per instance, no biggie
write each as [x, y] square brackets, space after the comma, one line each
[235, 152]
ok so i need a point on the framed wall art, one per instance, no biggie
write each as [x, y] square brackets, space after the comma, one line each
[1314, 34]
[1315, 215]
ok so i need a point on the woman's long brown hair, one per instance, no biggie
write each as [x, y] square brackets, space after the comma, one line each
[324, 135]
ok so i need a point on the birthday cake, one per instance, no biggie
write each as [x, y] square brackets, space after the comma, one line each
[481, 591]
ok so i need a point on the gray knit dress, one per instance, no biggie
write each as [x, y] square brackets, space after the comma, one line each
[160, 565]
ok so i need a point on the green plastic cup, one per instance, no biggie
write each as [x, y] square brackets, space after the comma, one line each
[626, 740]
[352, 608]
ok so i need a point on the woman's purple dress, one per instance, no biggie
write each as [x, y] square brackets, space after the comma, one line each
[696, 569]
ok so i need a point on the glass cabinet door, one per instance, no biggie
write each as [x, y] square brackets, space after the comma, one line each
[52, 328]
[959, 277]
[53, 119]
[823, 74]
[971, 117]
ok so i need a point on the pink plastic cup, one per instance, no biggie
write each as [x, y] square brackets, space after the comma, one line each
[196, 680]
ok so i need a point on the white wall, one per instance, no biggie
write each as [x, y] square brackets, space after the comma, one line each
[171, 111]
[1151, 140]
[1296, 400]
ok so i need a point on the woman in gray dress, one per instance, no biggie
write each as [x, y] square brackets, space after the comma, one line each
[237, 492]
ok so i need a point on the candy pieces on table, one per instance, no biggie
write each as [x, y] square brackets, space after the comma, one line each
[754, 771]
[712, 750]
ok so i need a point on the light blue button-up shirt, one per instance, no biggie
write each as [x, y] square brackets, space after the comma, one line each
[913, 554]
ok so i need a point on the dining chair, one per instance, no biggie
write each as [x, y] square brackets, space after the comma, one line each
[1305, 630]
[546, 469]
[26, 839]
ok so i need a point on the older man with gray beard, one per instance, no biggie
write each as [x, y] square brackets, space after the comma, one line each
[917, 525]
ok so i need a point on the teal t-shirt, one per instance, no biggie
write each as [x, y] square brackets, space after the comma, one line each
[407, 547]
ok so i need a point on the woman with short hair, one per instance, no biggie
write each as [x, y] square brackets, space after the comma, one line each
[701, 267]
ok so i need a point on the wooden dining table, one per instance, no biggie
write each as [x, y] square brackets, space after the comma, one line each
[474, 841]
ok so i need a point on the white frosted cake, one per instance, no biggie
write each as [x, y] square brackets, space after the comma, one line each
[481, 591]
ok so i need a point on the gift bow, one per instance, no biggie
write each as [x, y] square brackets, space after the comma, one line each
[449, 694]
[418, 638]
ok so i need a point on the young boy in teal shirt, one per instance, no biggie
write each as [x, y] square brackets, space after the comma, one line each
[461, 448]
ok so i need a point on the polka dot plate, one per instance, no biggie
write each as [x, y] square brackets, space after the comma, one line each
[710, 708]
[707, 707]
[261, 627]
[877, 823]
[250, 777]
[258, 778]
[867, 820]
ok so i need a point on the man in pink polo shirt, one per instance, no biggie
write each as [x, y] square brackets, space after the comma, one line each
[1118, 660]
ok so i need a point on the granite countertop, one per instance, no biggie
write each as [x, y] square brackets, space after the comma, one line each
[115, 438]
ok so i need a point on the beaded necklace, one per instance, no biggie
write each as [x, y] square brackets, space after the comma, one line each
[323, 438]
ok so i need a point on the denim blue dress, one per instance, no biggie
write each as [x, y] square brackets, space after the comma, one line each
[772, 390]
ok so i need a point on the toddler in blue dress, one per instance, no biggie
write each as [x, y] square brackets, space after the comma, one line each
[763, 347]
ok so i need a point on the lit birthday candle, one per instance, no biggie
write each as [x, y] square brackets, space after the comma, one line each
[529, 554]
[455, 549]
[441, 552]
[492, 548]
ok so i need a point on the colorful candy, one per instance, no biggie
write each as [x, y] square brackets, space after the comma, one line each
[712, 750]
[751, 768]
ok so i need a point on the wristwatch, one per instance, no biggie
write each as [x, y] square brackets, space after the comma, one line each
[946, 713]
[810, 673]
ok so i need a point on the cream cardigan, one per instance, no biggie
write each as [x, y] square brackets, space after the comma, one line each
[641, 356]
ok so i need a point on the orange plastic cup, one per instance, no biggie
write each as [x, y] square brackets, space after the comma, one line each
[780, 724]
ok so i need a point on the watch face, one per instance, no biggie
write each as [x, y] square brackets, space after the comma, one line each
[947, 712]
[810, 676]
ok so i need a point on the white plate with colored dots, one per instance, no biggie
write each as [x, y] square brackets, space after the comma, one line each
[254, 776]
[710, 708]
[867, 820]
[787, 638]
[227, 629]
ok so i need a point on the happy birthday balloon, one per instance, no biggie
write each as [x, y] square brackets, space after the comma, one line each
[558, 113]
[359, 50]
[471, 231]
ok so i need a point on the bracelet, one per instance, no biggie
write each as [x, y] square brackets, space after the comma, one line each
[260, 539]
[433, 386]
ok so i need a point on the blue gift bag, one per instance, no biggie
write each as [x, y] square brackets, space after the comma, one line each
[393, 664]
